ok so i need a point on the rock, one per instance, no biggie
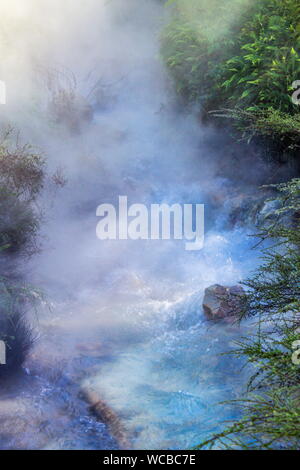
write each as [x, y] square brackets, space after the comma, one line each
[266, 211]
[242, 209]
[107, 415]
[223, 303]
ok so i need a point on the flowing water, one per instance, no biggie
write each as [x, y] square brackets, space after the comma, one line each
[123, 318]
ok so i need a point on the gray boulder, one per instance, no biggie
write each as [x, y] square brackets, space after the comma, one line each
[223, 303]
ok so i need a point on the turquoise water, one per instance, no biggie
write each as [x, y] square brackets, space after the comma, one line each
[167, 391]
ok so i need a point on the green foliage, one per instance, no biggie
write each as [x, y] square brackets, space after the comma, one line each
[266, 57]
[15, 298]
[272, 407]
[244, 59]
[185, 58]
[21, 180]
[271, 123]
[195, 44]
[250, 62]
[278, 131]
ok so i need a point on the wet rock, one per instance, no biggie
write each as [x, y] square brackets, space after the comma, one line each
[223, 303]
[245, 208]
[267, 210]
[242, 210]
[107, 415]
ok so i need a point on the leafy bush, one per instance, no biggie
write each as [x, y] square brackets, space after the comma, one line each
[21, 180]
[277, 131]
[251, 61]
[195, 44]
[14, 328]
[247, 63]
[18, 337]
[266, 59]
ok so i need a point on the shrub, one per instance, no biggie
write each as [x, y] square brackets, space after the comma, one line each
[21, 180]
[14, 328]
[250, 61]
[277, 131]
[246, 64]
[18, 338]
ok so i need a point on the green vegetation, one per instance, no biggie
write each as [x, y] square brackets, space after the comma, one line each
[15, 330]
[245, 61]
[21, 180]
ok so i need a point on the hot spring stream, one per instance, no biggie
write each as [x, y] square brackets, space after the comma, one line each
[124, 318]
